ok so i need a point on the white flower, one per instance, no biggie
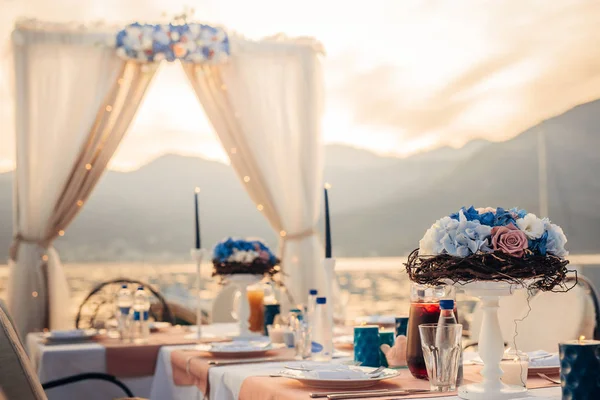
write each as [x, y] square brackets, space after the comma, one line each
[244, 257]
[531, 225]
[174, 36]
[431, 244]
[556, 241]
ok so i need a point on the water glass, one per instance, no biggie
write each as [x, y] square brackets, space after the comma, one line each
[303, 340]
[441, 351]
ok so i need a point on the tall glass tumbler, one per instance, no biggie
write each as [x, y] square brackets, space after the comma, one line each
[441, 351]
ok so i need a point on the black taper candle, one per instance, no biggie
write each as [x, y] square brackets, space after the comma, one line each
[327, 227]
[198, 242]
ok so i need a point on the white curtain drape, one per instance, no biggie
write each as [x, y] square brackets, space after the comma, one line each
[266, 106]
[74, 100]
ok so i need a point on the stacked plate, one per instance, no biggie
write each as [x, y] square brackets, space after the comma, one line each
[69, 336]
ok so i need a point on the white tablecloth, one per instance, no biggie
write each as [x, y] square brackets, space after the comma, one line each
[225, 382]
[59, 361]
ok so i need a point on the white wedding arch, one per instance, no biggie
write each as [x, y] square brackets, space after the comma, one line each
[77, 91]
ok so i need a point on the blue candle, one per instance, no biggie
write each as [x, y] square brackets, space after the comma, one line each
[197, 226]
[366, 345]
[385, 337]
[327, 226]
[401, 326]
[580, 369]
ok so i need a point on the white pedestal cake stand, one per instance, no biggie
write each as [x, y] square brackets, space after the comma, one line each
[491, 344]
[242, 281]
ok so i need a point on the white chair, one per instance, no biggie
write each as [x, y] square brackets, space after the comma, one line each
[554, 317]
[223, 305]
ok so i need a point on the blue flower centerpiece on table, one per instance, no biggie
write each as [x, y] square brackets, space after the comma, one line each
[234, 256]
[491, 244]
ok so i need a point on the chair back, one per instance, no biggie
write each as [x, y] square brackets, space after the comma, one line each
[223, 304]
[18, 380]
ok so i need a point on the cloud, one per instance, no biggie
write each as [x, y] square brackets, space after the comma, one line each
[536, 63]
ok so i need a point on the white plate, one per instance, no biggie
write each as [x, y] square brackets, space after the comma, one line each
[240, 349]
[341, 384]
[70, 336]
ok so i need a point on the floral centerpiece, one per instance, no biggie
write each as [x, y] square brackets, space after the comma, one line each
[491, 244]
[244, 256]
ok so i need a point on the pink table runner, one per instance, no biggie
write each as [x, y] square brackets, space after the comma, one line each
[126, 360]
[269, 388]
[190, 368]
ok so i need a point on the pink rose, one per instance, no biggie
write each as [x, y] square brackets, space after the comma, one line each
[509, 239]
[481, 210]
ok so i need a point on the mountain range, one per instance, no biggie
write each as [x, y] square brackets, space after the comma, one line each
[380, 206]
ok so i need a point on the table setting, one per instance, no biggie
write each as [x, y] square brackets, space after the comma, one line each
[298, 352]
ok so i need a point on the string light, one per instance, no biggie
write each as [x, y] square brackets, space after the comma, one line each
[79, 203]
[61, 233]
[259, 207]
[88, 166]
[108, 108]
[283, 233]
[34, 294]
[246, 179]
[45, 257]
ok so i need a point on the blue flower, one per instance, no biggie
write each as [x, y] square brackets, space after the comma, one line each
[518, 213]
[458, 238]
[538, 246]
[471, 214]
[556, 240]
[487, 218]
[503, 217]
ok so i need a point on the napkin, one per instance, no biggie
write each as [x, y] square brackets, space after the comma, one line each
[548, 360]
[333, 372]
[240, 346]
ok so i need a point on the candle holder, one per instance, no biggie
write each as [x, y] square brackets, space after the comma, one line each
[491, 344]
[580, 369]
[366, 345]
[198, 255]
[329, 267]
[242, 281]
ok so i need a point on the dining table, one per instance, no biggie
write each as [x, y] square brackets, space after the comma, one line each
[134, 365]
[166, 377]
[183, 374]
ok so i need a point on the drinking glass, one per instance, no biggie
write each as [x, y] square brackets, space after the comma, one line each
[441, 350]
[424, 309]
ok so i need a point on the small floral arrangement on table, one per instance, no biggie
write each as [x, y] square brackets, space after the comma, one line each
[244, 256]
[491, 244]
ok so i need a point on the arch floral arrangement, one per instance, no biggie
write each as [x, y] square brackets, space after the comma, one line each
[195, 43]
[244, 256]
[487, 244]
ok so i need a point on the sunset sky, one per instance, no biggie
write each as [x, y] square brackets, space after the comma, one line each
[401, 75]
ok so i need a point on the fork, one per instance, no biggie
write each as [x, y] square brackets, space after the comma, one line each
[546, 377]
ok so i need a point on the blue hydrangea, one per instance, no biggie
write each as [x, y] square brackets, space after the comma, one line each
[539, 246]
